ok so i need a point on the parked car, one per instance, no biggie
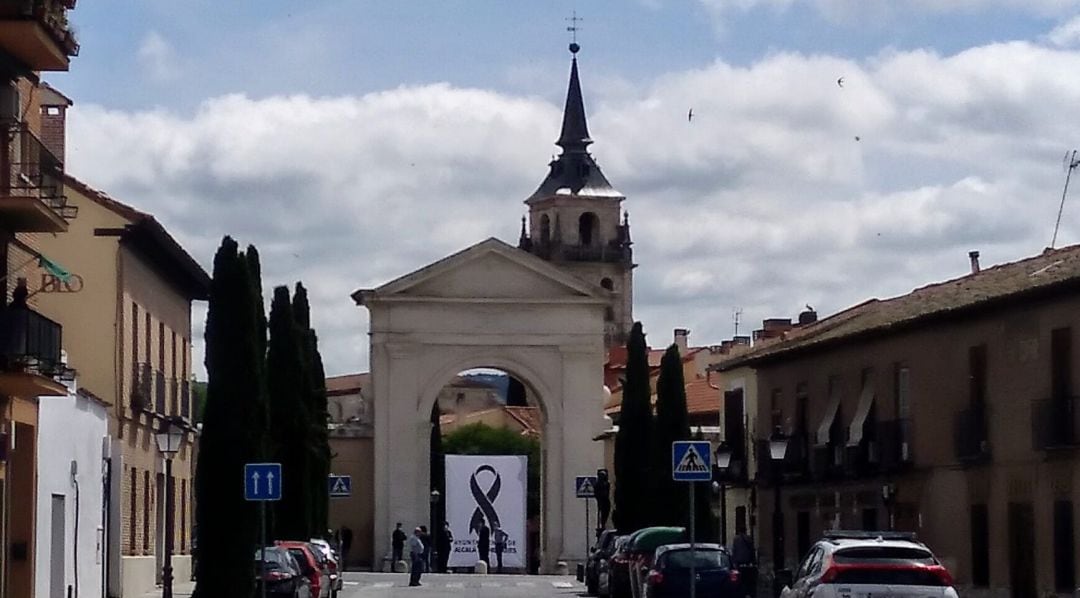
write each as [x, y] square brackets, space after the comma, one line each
[331, 557]
[669, 576]
[600, 552]
[618, 569]
[281, 574]
[319, 575]
[643, 545]
[846, 563]
[603, 576]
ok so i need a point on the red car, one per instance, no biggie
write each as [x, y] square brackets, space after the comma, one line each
[304, 553]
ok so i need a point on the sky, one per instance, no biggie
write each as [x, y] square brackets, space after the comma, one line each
[356, 141]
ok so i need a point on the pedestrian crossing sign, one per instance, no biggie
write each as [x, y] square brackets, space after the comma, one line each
[340, 486]
[691, 461]
[585, 486]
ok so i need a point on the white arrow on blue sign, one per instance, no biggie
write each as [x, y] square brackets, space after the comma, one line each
[262, 481]
[691, 461]
[340, 486]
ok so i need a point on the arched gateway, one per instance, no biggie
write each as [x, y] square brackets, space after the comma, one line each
[491, 305]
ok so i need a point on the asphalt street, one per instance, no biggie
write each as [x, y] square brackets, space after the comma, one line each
[392, 585]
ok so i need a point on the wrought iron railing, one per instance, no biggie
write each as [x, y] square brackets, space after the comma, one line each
[34, 171]
[141, 386]
[1055, 423]
[159, 393]
[29, 341]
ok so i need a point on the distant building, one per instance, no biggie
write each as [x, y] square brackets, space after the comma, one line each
[352, 453]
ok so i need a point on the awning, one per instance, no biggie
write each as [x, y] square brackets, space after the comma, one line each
[866, 401]
[827, 422]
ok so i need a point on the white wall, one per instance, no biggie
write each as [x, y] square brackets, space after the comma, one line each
[71, 428]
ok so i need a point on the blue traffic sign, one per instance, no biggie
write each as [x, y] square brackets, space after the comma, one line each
[262, 481]
[340, 486]
[585, 486]
[691, 461]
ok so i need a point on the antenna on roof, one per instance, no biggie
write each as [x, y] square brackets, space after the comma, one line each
[1069, 163]
[735, 316]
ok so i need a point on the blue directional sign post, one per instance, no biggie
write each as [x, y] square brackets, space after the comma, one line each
[340, 486]
[585, 487]
[262, 484]
[691, 461]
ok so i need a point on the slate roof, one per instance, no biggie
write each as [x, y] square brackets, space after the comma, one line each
[1051, 272]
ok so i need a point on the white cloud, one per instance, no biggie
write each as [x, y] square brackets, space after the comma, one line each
[1067, 34]
[157, 58]
[765, 201]
[858, 10]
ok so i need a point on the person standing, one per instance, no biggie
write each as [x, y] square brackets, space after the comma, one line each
[425, 537]
[483, 543]
[445, 545]
[345, 537]
[416, 557]
[602, 492]
[745, 560]
[397, 541]
[500, 537]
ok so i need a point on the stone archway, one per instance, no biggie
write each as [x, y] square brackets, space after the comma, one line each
[491, 305]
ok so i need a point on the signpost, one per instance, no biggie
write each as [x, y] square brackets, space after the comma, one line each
[585, 487]
[262, 484]
[340, 486]
[691, 461]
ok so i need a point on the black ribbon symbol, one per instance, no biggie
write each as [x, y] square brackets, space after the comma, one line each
[485, 506]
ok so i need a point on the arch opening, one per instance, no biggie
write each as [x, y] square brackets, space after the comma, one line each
[588, 225]
[545, 229]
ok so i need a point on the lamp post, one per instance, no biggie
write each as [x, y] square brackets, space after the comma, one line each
[778, 444]
[722, 459]
[168, 438]
[435, 527]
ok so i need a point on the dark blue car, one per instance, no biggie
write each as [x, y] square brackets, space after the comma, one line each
[670, 573]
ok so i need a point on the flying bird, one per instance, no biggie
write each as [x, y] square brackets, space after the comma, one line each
[840, 82]
[690, 115]
[857, 138]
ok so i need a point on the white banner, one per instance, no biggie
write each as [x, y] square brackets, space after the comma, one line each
[486, 490]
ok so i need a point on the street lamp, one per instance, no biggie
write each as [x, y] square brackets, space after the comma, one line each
[778, 444]
[435, 527]
[722, 459]
[169, 438]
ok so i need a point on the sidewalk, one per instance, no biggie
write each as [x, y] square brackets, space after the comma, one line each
[181, 589]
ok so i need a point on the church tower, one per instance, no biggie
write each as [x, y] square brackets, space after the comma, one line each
[576, 220]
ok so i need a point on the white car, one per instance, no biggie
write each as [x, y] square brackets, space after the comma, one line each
[336, 581]
[868, 565]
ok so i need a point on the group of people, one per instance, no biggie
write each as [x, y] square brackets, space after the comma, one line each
[423, 559]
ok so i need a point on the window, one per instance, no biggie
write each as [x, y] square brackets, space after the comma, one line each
[183, 358]
[133, 493]
[134, 333]
[740, 519]
[1064, 547]
[869, 520]
[606, 283]
[587, 229]
[146, 513]
[977, 374]
[161, 347]
[147, 335]
[802, 406]
[734, 432]
[609, 314]
[776, 413]
[172, 358]
[1061, 362]
[902, 391]
[802, 532]
[980, 546]
[545, 229]
[183, 515]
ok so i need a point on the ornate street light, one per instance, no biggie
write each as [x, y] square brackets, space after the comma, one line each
[435, 496]
[169, 438]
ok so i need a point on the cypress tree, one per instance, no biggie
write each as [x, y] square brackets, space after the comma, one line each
[313, 378]
[233, 433]
[670, 499]
[632, 443]
[289, 420]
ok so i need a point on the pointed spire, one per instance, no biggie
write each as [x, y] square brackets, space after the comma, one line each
[524, 242]
[575, 131]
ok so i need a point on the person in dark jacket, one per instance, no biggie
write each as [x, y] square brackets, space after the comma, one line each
[425, 537]
[483, 543]
[397, 541]
[445, 545]
[345, 540]
[744, 557]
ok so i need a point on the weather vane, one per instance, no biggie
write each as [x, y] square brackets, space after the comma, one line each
[573, 29]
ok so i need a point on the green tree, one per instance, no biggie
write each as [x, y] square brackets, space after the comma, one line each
[482, 439]
[313, 379]
[632, 442]
[290, 421]
[233, 433]
[670, 499]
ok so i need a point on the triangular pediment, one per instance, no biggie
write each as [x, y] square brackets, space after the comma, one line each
[489, 270]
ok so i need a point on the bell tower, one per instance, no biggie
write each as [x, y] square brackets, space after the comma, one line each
[576, 219]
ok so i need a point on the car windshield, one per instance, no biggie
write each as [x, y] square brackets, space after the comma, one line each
[701, 559]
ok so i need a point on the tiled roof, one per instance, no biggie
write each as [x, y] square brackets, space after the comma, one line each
[1051, 271]
[529, 417]
[701, 396]
[347, 384]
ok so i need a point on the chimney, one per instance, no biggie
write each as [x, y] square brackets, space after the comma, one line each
[681, 339]
[53, 105]
[974, 255]
[807, 317]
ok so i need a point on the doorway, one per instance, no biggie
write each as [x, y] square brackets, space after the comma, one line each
[57, 545]
[159, 528]
[1022, 550]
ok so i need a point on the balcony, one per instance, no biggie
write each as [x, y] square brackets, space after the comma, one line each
[31, 186]
[1055, 423]
[972, 440]
[30, 359]
[581, 253]
[36, 33]
[141, 387]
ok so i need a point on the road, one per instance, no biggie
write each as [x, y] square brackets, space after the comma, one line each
[391, 585]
